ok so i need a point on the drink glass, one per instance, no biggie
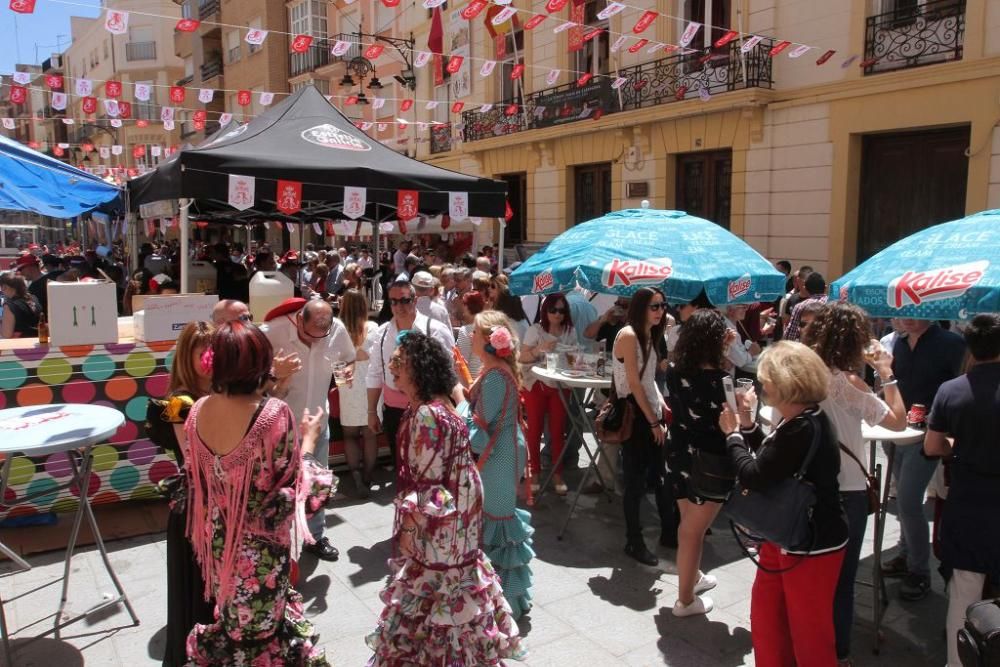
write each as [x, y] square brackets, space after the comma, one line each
[743, 385]
[590, 363]
[551, 361]
[572, 357]
[872, 351]
[340, 373]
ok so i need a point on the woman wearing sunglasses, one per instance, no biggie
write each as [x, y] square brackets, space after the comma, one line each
[554, 327]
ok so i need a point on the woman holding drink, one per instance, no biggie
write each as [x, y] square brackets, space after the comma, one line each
[353, 395]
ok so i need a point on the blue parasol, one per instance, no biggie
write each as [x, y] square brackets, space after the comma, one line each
[682, 255]
[949, 271]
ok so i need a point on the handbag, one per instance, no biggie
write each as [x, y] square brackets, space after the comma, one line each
[979, 639]
[712, 475]
[615, 418]
[781, 514]
[871, 486]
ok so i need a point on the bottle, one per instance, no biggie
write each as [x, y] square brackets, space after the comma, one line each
[43, 330]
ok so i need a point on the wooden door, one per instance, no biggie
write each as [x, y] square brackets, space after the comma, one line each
[592, 191]
[704, 185]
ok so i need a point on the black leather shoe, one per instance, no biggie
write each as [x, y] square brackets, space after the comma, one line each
[323, 550]
[669, 539]
[641, 554]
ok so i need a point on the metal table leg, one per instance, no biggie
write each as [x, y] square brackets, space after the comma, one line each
[583, 421]
[881, 597]
[81, 462]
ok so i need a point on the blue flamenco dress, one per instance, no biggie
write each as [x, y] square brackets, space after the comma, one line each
[495, 432]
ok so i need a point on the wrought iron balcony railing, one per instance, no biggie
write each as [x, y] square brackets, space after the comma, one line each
[441, 138]
[922, 34]
[671, 79]
[140, 51]
[206, 8]
[319, 54]
[211, 69]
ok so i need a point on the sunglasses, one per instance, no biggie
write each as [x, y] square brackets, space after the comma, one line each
[246, 317]
[557, 310]
[395, 361]
[657, 306]
[405, 301]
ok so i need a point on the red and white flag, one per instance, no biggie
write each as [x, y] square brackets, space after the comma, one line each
[256, 36]
[241, 191]
[289, 197]
[355, 202]
[458, 205]
[116, 22]
[407, 205]
[205, 95]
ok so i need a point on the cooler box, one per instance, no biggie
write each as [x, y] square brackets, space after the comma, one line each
[163, 317]
[83, 313]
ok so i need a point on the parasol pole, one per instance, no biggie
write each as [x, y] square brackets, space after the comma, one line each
[503, 227]
[185, 240]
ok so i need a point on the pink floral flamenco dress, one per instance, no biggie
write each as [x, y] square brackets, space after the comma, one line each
[246, 507]
[444, 606]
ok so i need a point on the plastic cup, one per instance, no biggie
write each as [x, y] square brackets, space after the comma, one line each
[590, 363]
[340, 373]
[551, 361]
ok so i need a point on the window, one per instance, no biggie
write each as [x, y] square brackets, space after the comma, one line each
[233, 46]
[255, 24]
[188, 66]
[442, 113]
[508, 89]
[140, 34]
[186, 10]
[594, 56]
[385, 18]
[707, 12]
[308, 18]
[147, 110]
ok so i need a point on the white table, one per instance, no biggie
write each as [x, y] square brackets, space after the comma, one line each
[875, 435]
[41, 430]
[574, 401]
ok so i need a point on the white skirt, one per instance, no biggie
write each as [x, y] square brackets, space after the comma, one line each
[354, 399]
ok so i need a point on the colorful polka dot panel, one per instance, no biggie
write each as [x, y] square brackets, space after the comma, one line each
[122, 376]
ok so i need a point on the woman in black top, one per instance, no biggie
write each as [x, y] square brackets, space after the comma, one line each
[792, 602]
[695, 396]
[20, 313]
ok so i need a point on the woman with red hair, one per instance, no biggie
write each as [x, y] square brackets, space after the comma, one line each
[472, 303]
[554, 327]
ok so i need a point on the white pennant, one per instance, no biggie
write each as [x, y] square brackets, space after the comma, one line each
[381, 127]
[68, 121]
[366, 125]
[84, 87]
[168, 125]
[205, 95]
[799, 51]
[105, 152]
[117, 149]
[503, 3]
[487, 68]
[421, 59]
[431, 4]
[111, 107]
[618, 43]
[166, 113]
[565, 25]
[552, 77]
[266, 99]
[485, 108]
[142, 91]
[59, 101]
[689, 32]
[340, 47]
[609, 11]
[116, 122]
[156, 150]
[503, 15]
[256, 36]
[656, 46]
[116, 22]
[458, 206]
[476, 221]
[8, 123]
[23, 78]
[402, 121]
[62, 144]
[225, 119]
[355, 202]
[704, 94]
[291, 226]
[241, 191]
[431, 105]
[750, 43]
[378, 103]
[421, 126]
[619, 82]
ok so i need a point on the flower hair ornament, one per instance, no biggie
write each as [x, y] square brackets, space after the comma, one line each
[501, 343]
[207, 360]
[401, 336]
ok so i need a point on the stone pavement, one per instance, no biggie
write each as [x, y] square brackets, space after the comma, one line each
[593, 605]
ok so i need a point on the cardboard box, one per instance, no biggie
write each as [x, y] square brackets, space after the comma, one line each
[83, 313]
[164, 317]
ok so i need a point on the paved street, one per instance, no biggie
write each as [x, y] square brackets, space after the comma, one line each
[593, 605]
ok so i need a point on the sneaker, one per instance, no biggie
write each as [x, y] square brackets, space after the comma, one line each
[915, 587]
[895, 567]
[701, 605]
[706, 583]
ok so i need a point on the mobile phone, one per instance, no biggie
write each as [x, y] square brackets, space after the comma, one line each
[727, 386]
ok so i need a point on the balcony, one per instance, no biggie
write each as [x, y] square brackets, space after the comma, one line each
[140, 51]
[665, 81]
[185, 81]
[440, 138]
[923, 34]
[319, 54]
[211, 69]
[207, 9]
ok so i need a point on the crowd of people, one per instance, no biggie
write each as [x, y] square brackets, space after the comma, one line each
[443, 372]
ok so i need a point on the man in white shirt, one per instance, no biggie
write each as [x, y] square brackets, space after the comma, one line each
[738, 353]
[399, 257]
[402, 299]
[365, 260]
[320, 341]
[428, 304]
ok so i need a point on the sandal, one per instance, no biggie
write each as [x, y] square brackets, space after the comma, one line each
[561, 489]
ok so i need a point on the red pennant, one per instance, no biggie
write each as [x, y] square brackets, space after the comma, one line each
[113, 88]
[406, 206]
[865, 64]
[289, 197]
[635, 48]
[390, 3]
[54, 81]
[779, 47]
[510, 110]
[243, 98]
[138, 151]
[374, 51]
[681, 92]
[199, 124]
[406, 105]
[592, 34]
[517, 71]
[177, 94]
[472, 10]
[132, 171]
[125, 110]
[351, 99]
[644, 21]
[726, 38]
[402, 227]
[826, 56]
[534, 21]
[584, 79]
[553, 6]
[34, 144]
[457, 107]
[201, 224]
[597, 114]
[89, 105]
[22, 6]
[57, 151]
[187, 25]
[140, 122]
[87, 147]
[454, 64]
[670, 48]
[445, 221]
[330, 231]
[18, 94]
[301, 43]
[508, 212]
[200, 114]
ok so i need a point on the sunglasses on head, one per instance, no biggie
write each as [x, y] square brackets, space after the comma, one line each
[657, 306]
[405, 301]
[245, 317]
[558, 310]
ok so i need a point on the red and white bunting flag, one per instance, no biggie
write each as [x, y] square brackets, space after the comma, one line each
[117, 149]
[689, 32]
[266, 99]
[142, 91]
[799, 51]
[552, 77]
[225, 119]
[406, 105]
[487, 68]
[317, 228]
[124, 109]
[340, 47]
[503, 15]
[168, 125]
[84, 87]
[18, 94]
[54, 81]
[609, 11]
[455, 64]
[381, 127]
[187, 25]
[113, 88]
[156, 150]
[563, 27]
[116, 22]
[486, 107]
[178, 94]
[584, 79]
[23, 78]
[350, 101]
[407, 205]
[241, 191]
[116, 122]
[355, 202]
[458, 205]
[457, 107]
[256, 36]
[432, 104]
[22, 6]
[139, 151]
[378, 103]
[473, 9]
[104, 152]
[366, 125]
[619, 82]
[553, 6]
[826, 56]
[431, 4]
[166, 113]
[244, 98]
[300, 43]
[374, 51]
[205, 95]
[726, 38]
[517, 71]
[289, 197]
[421, 59]
[8, 123]
[635, 48]
[654, 47]
[291, 226]
[779, 47]
[750, 44]
[535, 21]
[704, 94]
[111, 108]
[619, 43]
[644, 21]
[88, 104]
[59, 101]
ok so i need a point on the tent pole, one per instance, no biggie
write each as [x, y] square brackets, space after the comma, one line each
[185, 241]
[376, 253]
[503, 227]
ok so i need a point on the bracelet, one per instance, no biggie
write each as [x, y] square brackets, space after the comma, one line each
[890, 383]
[654, 424]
